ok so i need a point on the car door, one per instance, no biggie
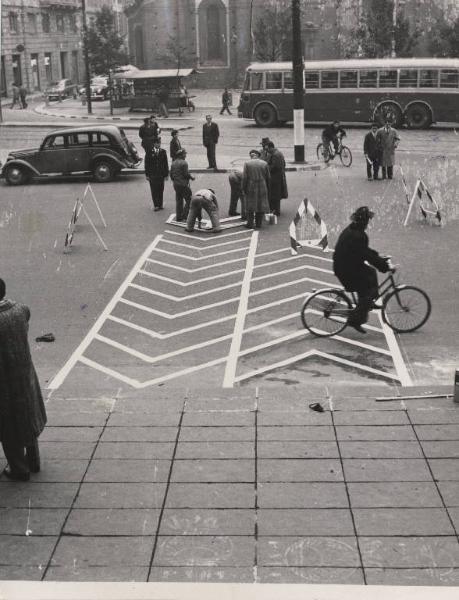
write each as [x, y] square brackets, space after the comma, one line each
[78, 152]
[53, 157]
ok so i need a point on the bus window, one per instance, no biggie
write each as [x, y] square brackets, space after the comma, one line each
[348, 79]
[408, 78]
[449, 79]
[387, 78]
[312, 79]
[256, 81]
[288, 80]
[273, 80]
[329, 79]
[246, 82]
[368, 79]
[429, 78]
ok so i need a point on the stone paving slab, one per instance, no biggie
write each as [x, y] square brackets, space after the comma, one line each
[148, 419]
[390, 449]
[67, 450]
[328, 522]
[402, 521]
[71, 434]
[308, 552]
[227, 470]
[396, 469]
[205, 521]
[211, 495]
[437, 432]
[134, 450]
[287, 449]
[26, 550]
[444, 469]
[139, 434]
[217, 434]
[106, 573]
[38, 521]
[403, 552]
[450, 492]
[302, 495]
[66, 418]
[311, 575]
[120, 495]
[306, 433]
[39, 495]
[103, 551]
[375, 433]
[221, 450]
[205, 574]
[219, 418]
[108, 522]
[128, 471]
[441, 449]
[393, 494]
[229, 551]
[299, 470]
[418, 577]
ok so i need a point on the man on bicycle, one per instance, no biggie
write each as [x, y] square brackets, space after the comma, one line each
[351, 253]
[331, 137]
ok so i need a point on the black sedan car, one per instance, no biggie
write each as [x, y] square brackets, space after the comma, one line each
[101, 150]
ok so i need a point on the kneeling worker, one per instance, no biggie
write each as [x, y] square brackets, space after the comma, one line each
[204, 199]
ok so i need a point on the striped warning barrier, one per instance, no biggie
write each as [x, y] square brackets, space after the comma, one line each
[422, 195]
[299, 228]
[405, 187]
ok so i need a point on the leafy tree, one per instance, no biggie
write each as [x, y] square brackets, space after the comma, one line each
[105, 46]
[444, 38]
[272, 32]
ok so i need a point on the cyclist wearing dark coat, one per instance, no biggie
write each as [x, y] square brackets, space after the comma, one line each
[352, 251]
[332, 134]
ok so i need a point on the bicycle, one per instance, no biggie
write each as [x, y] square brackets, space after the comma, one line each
[326, 153]
[404, 308]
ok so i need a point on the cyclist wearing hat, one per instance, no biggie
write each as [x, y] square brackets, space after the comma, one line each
[351, 253]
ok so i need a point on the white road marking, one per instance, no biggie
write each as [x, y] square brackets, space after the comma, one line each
[298, 256]
[176, 315]
[200, 248]
[199, 258]
[207, 239]
[182, 298]
[58, 379]
[397, 357]
[197, 269]
[188, 283]
[231, 364]
[282, 260]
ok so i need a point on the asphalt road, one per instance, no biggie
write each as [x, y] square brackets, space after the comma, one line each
[69, 292]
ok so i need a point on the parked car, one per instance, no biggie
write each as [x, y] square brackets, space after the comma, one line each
[62, 89]
[101, 150]
[99, 88]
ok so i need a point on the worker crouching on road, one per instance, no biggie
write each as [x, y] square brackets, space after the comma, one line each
[204, 199]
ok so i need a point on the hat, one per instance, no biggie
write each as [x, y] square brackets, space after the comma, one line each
[180, 152]
[174, 131]
[255, 151]
[265, 141]
[362, 214]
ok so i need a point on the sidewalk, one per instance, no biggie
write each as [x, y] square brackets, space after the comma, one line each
[244, 485]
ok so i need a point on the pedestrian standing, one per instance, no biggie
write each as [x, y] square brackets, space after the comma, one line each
[210, 135]
[255, 184]
[23, 96]
[226, 101]
[371, 152]
[149, 132]
[181, 177]
[237, 193]
[156, 171]
[387, 139]
[163, 97]
[15, 92]
[22, 411]
[174, 145]
[264, 155]
[278, 186]
[207, 200]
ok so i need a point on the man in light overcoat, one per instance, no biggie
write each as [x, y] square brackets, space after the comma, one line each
[387, 139]
[255, 184]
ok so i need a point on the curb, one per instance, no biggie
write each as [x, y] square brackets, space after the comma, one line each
[76, 123]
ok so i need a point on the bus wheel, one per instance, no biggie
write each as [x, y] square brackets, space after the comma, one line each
[265, 115]
[388, 111]
[418, 116]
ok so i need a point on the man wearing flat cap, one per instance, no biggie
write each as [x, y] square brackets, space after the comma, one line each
[255, 184]
[181, 177]
[174, 145]
[352, 251]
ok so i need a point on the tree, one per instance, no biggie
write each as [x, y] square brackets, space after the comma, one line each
[105, 46]
[272, 32]
[444, 38]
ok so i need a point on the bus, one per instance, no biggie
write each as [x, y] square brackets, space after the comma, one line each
[415, 92]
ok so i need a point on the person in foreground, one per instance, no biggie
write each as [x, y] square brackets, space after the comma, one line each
[207, 200]
[351, 252]
[22, 410]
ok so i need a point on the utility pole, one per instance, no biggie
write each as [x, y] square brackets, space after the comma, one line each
[86, 58]
[394, 27]
[298, 83]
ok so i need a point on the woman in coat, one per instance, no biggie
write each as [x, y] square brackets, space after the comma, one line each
[255, 184]
[22, 411]
[387, 139]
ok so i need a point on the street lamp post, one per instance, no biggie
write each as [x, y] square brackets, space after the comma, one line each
[298, 83]
[86, 58]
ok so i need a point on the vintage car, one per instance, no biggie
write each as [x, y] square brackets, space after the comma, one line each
[99, 88]
[62, 89]
[101, 150]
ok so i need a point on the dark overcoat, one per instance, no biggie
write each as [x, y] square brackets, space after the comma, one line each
[174, 147]
[371, 147]
[21, 403]
[278, 187]
[156, 165]
[255, 184]
[210, 134]
[351, 252]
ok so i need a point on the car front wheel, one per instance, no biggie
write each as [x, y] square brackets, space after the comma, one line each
[16, 175]
[103, 172]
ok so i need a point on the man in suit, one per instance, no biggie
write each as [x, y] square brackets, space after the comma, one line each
[175, 144]
[156, 171]
[371, 152]
[210, 135]
[149, 132]
[255, 184]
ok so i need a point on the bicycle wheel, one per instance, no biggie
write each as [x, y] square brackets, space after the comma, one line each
[406, 308]
[345, 156]
[323, 153]
[324, 313]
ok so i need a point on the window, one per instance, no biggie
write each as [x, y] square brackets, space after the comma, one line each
[14, 22]
[257, 81]
[60, 23]
[449, 79]
[64, 64]
[73, 23]
[55, 141]
[312, 79]
[48, 67]
[329, 79]
[368, 79]
[408, 78]
[79, 139]
[3, 90]
[273, 81]
[348, 79]
[100, 139]
[215, 37]
[35, 71]
[387, 78]
[45, 23]
[428, 78]
[32, 22]
[288, 80]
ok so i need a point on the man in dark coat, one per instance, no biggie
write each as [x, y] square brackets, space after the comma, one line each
[255, 184]
[210, 135]
[278, 185]
[264, 154]
[181, 176]
[156, 171]
[351, 253]
[22, 411]
[149, 132]
[237, 193]
[23, 96]
[371, 152]
[174, 145]
[226, 100]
